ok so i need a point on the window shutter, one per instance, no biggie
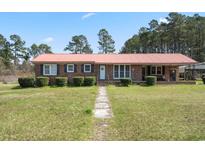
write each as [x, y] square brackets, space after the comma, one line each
[163, 70]
[41, 69]
[75, 68]
[82, 68]
[148, 70]
[58, 69]
[65, 68]
[92, 68]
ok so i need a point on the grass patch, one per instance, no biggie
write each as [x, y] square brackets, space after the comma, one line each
[162, 112]
[46, 113]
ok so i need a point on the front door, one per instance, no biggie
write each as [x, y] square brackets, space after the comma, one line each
[102, 72]
[172, 75]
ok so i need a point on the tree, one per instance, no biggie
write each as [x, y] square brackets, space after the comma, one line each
[79, 44]
[36, 50]
[131, 45]
[107, 44]
[17, 47]
[5, 51]
[44, 48]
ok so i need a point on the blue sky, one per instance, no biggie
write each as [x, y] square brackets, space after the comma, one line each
[56, 29]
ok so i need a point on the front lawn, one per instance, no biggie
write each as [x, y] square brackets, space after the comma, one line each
[46, 113]
[162, 112]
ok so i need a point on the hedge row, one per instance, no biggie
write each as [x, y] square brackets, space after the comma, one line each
[84, 81]
[58, 81]
[77, 81]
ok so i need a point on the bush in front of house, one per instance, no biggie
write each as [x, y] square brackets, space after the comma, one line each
[89, 81]
[125, 82]
[151, 80]
[42, 81]
[78, 80]
[203, 78]
[60, 81]
[26, 82]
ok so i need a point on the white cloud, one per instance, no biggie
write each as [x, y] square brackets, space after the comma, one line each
[48, 40]
[88, 15]
[164, 20]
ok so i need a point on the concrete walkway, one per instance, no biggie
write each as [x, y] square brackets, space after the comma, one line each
[102, 106]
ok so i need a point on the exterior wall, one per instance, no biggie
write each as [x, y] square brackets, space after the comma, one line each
[136, 72]
[167, 72]
[62, 73]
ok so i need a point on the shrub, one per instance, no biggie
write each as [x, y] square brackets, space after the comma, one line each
[88, 111]
[89, 81]
[125, 82]
[78, 81]
[26, 82]
[42, 81]
[60, 81]
[151, 80]
[203, 78]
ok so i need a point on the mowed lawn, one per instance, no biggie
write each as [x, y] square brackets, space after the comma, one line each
[46, 113]
[162, 112]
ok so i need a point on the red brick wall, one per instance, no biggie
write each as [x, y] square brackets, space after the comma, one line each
[136, 72]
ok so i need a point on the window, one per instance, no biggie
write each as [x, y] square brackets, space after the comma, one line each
[46, 69]
[121, 71]
[70, 67]
[153, 70]
[159, 70]
[50, 69]
[87, 68]
[116, 71]
[156, 70]
[127, 71]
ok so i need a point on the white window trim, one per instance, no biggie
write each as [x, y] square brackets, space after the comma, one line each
[69, 70]
[155, 70]
[119, 71]
[44, 73]
[89, 70]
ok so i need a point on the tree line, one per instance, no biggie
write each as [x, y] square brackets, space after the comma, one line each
[13, 50]
[177, 34]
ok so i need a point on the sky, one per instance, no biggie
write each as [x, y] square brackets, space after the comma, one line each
[57, 29]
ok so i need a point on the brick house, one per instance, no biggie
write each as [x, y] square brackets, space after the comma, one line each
[112, 67]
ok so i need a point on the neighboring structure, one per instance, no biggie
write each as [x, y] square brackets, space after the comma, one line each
[192, 71]
[112, 67]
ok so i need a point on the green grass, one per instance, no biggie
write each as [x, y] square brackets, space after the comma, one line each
[46, 113]
[163, 112]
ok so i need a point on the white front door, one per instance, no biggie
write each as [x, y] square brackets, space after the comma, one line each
[102, 72]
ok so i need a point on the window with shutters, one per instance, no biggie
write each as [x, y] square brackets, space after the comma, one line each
[87, 68]
[50, 69]
[70, 67]
[156, 70]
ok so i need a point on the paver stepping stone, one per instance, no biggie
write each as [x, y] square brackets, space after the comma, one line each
[102, 106]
